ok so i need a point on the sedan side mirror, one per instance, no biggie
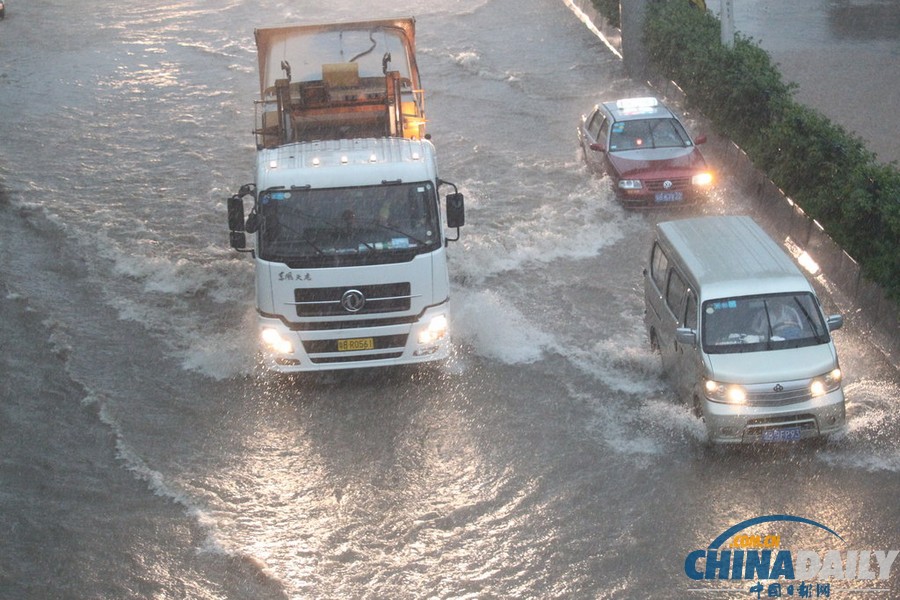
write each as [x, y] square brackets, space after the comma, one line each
[597, 147]
[834, 322]
[701, 139]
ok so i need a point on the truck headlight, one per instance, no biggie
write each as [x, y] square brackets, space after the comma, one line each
[437, 329]
[826, 383]
[630, 184]
[276, 342]
[702, 179]
[723, 392]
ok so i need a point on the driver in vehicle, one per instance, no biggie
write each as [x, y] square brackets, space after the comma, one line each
[778, 319]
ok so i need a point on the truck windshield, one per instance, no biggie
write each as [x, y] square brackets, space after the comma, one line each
[755, 323]
[354, 225]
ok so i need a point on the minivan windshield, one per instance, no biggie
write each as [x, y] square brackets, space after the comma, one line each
[355, 225]
[765, 322]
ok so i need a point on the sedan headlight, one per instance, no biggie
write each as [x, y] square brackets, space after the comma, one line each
[702, 179]
[724, 392]
[826, 383]
[630, 184]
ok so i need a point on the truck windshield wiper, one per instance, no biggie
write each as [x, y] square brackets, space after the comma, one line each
[300, 236]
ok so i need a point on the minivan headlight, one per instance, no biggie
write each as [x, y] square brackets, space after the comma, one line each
[825, 383]
[724, 392]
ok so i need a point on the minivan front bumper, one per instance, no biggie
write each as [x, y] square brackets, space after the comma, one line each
[730, 423]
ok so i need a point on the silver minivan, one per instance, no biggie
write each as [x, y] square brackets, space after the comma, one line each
[741, 333]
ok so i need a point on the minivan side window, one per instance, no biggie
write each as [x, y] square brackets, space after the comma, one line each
[659, 262]
[675, 293]
[690, 311]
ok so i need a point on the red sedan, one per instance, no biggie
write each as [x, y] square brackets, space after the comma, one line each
[647, 152]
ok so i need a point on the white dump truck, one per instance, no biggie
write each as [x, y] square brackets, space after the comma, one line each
[350, 242]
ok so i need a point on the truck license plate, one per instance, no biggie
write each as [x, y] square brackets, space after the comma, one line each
[784, 434]
[669, 196]
[356, 344]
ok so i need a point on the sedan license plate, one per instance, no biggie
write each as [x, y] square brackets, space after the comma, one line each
[783, 434]
[669, 196]
[356, 344]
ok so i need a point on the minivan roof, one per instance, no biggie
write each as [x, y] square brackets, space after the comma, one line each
[730, 256]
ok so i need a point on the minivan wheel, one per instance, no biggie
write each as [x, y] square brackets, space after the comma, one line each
[654, 341]
[697, 408]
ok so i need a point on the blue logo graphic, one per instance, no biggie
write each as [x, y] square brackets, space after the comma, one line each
[734, 555]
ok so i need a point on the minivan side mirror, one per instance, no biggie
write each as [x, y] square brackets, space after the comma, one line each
[686, 336]
[834, 322]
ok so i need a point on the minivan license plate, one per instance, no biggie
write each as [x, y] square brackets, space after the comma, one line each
[784, 434]
[356, 344]
[669, 196]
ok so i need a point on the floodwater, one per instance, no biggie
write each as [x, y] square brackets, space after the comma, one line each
[144, 454]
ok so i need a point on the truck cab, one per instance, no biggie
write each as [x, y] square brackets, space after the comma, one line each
[350, 251]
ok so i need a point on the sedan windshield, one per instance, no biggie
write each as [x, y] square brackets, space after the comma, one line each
[647, 133]
[754, 323]
[381, 223]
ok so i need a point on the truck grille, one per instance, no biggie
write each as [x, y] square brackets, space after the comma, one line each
[384, 342]
[325, 302]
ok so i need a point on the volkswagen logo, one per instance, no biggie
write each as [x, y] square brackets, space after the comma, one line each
[353, 301]
[667, 184]
[778, 387]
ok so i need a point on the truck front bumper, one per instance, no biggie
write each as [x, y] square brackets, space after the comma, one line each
[298, 348]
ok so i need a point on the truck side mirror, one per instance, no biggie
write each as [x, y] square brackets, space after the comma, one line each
[238, 240]
[237, 236]
[456, 210]
[236, 213]
[253, 222]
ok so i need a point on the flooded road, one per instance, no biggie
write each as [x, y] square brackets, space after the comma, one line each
[146, 455]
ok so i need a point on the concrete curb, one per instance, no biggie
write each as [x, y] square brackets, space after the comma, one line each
[863, 303]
